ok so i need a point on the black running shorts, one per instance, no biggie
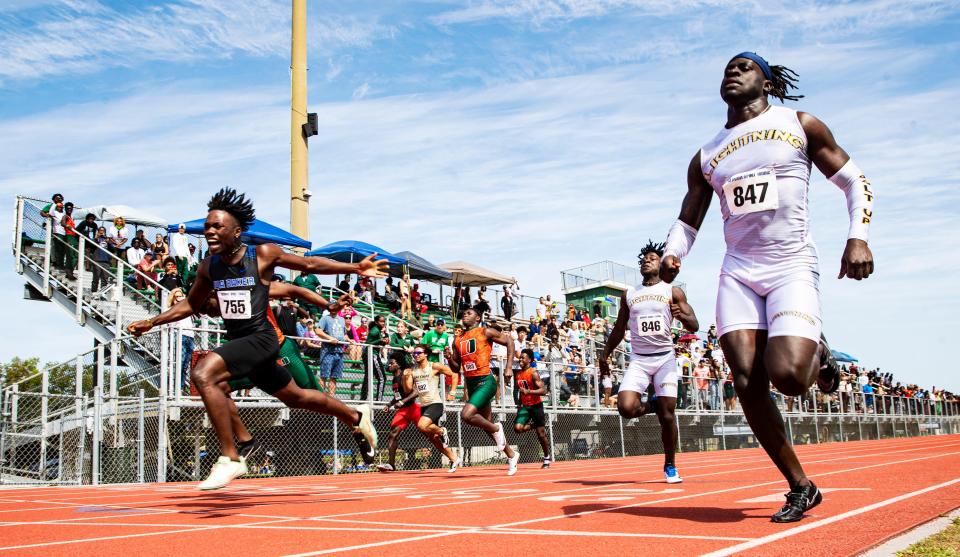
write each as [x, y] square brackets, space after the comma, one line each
[433, 411]
[255, 357]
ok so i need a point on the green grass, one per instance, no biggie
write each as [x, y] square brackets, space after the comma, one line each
[944, 544]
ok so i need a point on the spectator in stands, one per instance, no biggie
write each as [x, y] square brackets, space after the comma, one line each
[333, 330]
[58, 250]
[147, 266]
[160, 248]
[135, 252]
[597, 309]
[180, 249]
[377, 338]
[401, 344]
[406, 307]
[185, 327]
[73, 241]
[729, 393]
[482, 306]
[101, 262]
[415, 297]
[193, 261]
[712, 335]
[88, 229]
[541, 310]
[716, 382]
[344, 283]
[118, 233]
[56, 199]
[311, 283]
[302, 328]
[287, 314]
[171, 279]
[507, 305]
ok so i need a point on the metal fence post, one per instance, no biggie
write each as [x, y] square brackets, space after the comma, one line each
[81, 440]
[18, 236]
[141, 455]
[80, 263]
[336, 448]
[163, 402]
[623, 442]
[97, 426]
[60, 453]
[44, 409]
[551, 417]
[47, 246]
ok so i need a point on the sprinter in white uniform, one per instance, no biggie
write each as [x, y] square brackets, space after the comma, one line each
[768, 301]
[649, 309]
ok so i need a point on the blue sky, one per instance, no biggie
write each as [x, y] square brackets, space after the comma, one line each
[527, 136]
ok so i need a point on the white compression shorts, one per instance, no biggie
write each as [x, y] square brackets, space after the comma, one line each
[775, 294]
[662, 370]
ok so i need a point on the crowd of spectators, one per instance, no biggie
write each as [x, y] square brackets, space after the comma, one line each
[566, 341]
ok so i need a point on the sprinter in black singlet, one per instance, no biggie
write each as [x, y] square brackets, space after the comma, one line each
[240, 276]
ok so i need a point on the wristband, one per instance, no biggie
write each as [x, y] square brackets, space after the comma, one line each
[679, 240]
[856, 188]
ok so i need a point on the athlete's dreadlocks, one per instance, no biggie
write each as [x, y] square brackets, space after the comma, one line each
[784, 79]
[239, 207]
[652, 247]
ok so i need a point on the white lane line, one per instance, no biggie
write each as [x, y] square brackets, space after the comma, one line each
[591, 533]
[125, 536]
[559, 468]
[823, 522]
[766, 466]
[568, 515]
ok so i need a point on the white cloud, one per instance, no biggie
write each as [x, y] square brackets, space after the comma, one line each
[85, 35]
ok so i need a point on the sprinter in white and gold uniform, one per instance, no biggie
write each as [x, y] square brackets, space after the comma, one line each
[768, 300]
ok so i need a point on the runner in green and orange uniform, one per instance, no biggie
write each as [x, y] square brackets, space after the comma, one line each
[471, 354]
[530, 413]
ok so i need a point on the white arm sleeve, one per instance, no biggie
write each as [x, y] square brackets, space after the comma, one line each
[680, 240]
[856, 188]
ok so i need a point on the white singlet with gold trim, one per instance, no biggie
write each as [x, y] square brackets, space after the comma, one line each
[761, 173]
[650, 318]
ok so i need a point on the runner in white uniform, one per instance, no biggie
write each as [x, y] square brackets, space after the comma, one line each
[649, 309]
[768, 301]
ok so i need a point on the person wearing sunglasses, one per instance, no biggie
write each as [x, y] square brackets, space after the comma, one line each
[422, 382]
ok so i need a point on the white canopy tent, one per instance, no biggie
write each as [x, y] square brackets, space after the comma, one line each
[130, 215]
[468, 274]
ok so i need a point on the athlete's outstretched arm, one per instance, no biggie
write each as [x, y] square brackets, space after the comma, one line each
[836, 165]
[681, 310]
[684, 230]
[504, 338]
[195, 302]
[286, 290]
[616, 335]
[274, 256]
[453, 357]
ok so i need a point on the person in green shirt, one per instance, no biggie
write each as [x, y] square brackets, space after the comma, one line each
[311, 283]
[376, 338]
[402, 344]
[436, 340]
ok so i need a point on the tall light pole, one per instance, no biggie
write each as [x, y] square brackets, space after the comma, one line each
[299, 182]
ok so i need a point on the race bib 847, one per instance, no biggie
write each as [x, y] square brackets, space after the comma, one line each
[751, 192]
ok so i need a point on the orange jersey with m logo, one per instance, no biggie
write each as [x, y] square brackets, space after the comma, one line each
[474, 351]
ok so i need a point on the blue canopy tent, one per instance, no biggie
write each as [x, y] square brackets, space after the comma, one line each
[421, 269]
[351, 251]
[843, 356]
[260, 232]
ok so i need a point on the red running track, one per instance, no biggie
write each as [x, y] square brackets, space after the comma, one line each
[873, 490]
